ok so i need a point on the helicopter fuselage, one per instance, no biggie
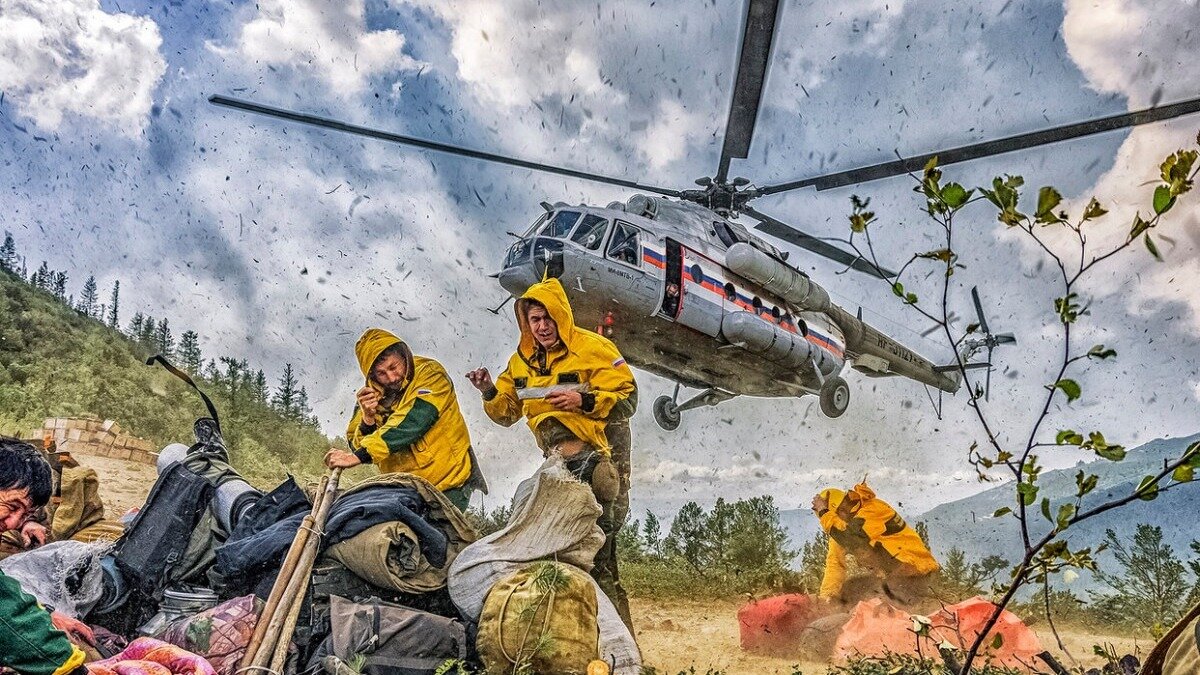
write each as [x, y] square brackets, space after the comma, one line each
[664, 295]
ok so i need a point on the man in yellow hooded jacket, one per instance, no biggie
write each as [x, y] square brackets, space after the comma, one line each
[576, 392]
[408, 420]
[860, 524]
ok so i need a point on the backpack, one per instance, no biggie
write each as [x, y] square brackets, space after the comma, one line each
[394, 639]
[164, 542]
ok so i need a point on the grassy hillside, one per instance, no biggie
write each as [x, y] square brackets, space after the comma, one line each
[54, 361]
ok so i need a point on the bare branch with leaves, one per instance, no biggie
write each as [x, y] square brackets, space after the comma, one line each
[1049, 554]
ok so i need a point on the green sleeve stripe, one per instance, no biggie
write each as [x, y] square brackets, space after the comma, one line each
[416, 423]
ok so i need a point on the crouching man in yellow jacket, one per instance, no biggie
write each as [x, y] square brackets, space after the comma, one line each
[862, 525]
[408, 421]
[571, 385]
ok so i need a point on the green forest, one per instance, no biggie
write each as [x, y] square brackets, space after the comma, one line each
[65, 354]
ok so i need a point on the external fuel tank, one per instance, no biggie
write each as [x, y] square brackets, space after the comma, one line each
[785, 281]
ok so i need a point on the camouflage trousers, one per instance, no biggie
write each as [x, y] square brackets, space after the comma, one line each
[606, 572]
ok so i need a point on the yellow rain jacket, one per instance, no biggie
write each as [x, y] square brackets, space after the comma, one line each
[868, 528]
[422, 433]
[582, 360]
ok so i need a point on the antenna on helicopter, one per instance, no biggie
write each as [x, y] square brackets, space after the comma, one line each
[499, 307]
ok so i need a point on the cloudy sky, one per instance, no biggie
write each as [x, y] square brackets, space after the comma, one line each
[281, 244]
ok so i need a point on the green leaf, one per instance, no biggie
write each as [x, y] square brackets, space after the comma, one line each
[1028, 493]
[1139, 226]
[943, 254]
[1069, 387]
[931, 164]
[1099, 352]
[1152, 247]
[1192, 455]
[1068, 437]
[1183, 474]
[1085, 483]
[1048, 198]
[1147, 490]
[1065, 513]
[1046, 509]
[911, 298]
[898, 289]
[1093, 210]
[1113, 453]
[1003, 511]
[955, 195]
[997, 641]
[1163, 199]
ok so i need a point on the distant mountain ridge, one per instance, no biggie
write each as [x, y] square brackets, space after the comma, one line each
[968, 523]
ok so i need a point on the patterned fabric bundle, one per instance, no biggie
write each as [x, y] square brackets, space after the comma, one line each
[147, 656]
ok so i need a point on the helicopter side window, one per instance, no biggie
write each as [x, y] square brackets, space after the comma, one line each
[590, 233]
[560, 226]
[624, 245]
[724, 233]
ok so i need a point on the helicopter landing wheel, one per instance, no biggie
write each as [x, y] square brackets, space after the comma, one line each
[666, 413]
[835, 397]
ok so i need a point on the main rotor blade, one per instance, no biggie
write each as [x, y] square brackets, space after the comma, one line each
[761, 16]
[335, 125]
[979, 312]
[781, 230]
[989, 148]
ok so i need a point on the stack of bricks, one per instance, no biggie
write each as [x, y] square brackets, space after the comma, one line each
[100, 438]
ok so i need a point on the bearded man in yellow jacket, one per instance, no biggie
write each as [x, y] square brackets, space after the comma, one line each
[860, 524]
[408, 421]
[576, 392]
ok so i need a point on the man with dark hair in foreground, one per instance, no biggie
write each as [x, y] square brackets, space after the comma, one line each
[32, 638]
[408, 420]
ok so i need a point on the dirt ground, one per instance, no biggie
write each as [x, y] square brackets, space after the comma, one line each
[674, 635]
[679, 634]
[123, 484]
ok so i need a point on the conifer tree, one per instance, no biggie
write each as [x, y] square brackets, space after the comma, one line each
[189, 355]
[8, 254]
[286, 393]
[259, 388]
[60, 285]
[149, 332]
[87, 298]
[135, 326]
[114, 303]
[164, 342]
[42, 279]
[303, 413]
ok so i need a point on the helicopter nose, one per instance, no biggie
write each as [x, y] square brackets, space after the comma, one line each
[518, 278]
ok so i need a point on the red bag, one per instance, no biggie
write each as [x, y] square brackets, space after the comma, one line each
[775, 624]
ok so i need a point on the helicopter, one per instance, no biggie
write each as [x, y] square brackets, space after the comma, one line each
[689, 293]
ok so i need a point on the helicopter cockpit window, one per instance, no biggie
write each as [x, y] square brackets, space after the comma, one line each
[560, 226]
[624, 245]
[590, 233]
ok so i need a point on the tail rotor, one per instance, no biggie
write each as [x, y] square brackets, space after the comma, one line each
[987, 339]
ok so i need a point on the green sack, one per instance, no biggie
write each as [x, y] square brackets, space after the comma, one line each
[543, 618]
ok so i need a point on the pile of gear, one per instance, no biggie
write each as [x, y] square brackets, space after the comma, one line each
[395, 580]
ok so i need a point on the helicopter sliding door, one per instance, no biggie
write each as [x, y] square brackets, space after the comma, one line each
[673, 285]
[688, 295]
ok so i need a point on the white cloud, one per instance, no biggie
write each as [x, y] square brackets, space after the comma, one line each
[1143, 50]
[326, 39]
[70, 57]
[492, 40]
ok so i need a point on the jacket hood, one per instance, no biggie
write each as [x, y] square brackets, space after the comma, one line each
[833, 498]
[371, 345]
[854, 499]
[550, 294]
